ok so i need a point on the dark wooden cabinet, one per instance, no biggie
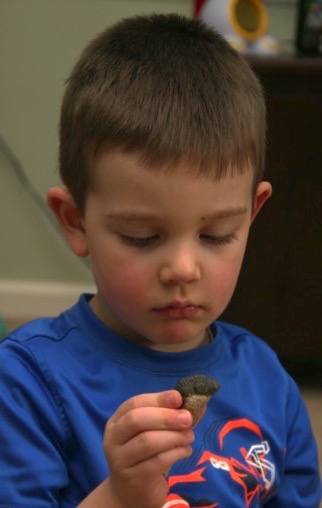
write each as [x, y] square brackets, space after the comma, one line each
[279, 293]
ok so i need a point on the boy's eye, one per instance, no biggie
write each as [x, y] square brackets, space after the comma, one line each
[218, 240]
[139, 241]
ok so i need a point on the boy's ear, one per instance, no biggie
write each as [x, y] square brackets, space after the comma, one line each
[70, 219]
[262, 194]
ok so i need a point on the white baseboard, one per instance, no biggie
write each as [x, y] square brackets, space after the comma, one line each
[32, 299]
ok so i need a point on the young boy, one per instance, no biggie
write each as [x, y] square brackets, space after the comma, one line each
[162, 153]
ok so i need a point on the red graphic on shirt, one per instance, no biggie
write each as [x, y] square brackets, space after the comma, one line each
[237, 424]
[194, 477]
[254, 473]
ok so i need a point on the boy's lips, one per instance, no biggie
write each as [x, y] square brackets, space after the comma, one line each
[179, 310]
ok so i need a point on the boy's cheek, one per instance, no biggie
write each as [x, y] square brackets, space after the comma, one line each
[223, 278]
[133, 277]
[122, 280]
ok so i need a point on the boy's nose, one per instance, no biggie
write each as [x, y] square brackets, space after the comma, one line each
[181, 267]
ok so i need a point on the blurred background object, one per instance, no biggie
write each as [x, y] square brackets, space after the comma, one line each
[243, 23]
[309, 28]
[3, 328]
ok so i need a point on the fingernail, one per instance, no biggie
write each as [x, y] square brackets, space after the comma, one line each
[189, 436]
[172, 399]
[185, 419]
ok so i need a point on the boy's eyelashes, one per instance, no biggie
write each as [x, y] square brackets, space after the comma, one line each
[152, 240]
[139, 241]
[218, 240]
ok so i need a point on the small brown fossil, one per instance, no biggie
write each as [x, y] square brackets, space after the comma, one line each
[196, 390]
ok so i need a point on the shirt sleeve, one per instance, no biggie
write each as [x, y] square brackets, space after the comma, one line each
[301, 484]
[32, 433]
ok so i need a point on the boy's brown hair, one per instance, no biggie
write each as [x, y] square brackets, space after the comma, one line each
[169, 88]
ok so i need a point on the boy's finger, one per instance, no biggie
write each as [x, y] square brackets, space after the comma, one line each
[148, 444]
[167, 399]
[162, 462]
[146, 419]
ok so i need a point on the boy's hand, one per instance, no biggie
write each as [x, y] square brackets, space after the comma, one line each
[143, 439]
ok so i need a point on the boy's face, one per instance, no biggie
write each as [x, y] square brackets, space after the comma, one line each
[165, 249]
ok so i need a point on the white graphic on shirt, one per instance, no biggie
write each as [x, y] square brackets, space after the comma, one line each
[265, 468]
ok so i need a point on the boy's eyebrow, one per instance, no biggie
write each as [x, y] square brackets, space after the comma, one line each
[226, 213]
[140, 216]
[131, 216]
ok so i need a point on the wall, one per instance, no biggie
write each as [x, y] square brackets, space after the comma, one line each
[39, 42]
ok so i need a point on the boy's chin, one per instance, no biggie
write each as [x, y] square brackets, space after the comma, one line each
[177, 343]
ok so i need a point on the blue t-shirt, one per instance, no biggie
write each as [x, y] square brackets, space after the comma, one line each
[62, 378]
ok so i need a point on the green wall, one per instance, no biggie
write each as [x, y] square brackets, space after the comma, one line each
[39, 42]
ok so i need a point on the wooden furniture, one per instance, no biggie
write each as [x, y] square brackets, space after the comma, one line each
[279, 293]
